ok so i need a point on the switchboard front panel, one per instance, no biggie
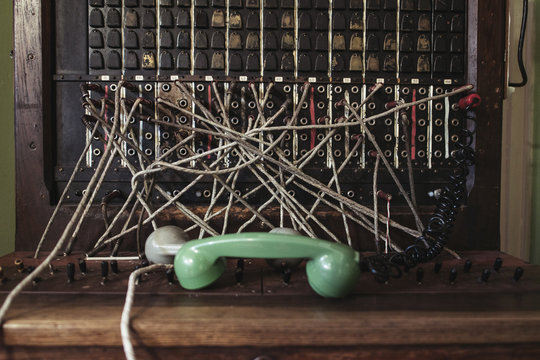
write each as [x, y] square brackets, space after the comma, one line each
[280, 112]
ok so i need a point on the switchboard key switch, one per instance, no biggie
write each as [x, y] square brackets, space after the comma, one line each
[467, 266]
[419, 275]
[437, 267]
[114, 266]
[138, 278]
[104, 271]
[170, 276]
[239, 271]
[70, 272]
[3, 279]
[518, 273]
[497, 264]
[82, 266]
[453, 275]
[485, 275]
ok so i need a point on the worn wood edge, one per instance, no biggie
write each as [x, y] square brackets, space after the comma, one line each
[270, 326]
[491, 352]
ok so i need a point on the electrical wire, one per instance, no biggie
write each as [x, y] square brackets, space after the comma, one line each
[521, 44]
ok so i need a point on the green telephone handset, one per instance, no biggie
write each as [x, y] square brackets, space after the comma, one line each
[332, 269]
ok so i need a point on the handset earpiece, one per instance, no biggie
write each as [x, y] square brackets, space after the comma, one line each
[332, 269]
[163, 243]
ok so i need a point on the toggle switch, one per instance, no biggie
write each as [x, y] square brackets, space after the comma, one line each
[239, 271]
[114, 266]
[286, 273]
[170, 276]
[518, 273]
[485, 275]
[419, 275]
[82, 266]
[70, 271]
[467, 266]
[497, 264]
[104, 271]
[453, 276]
[3, 279]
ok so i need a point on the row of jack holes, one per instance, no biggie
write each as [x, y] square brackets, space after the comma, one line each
[321, 89]
[207, 193]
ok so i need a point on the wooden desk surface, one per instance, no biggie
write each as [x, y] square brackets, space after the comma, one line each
[262, 316]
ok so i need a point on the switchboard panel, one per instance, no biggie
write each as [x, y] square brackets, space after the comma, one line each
[415, 49]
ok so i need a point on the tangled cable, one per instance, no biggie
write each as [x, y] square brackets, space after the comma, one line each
[435, 236]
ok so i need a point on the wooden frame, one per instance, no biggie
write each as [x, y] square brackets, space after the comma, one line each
[477, 226]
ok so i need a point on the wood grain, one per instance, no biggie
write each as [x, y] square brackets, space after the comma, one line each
[276, 321]
[439, 352]
[402, 313]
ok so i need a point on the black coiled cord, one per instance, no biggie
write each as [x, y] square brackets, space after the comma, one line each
[435, 236]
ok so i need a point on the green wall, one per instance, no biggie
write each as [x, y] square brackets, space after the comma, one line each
[7, 153]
